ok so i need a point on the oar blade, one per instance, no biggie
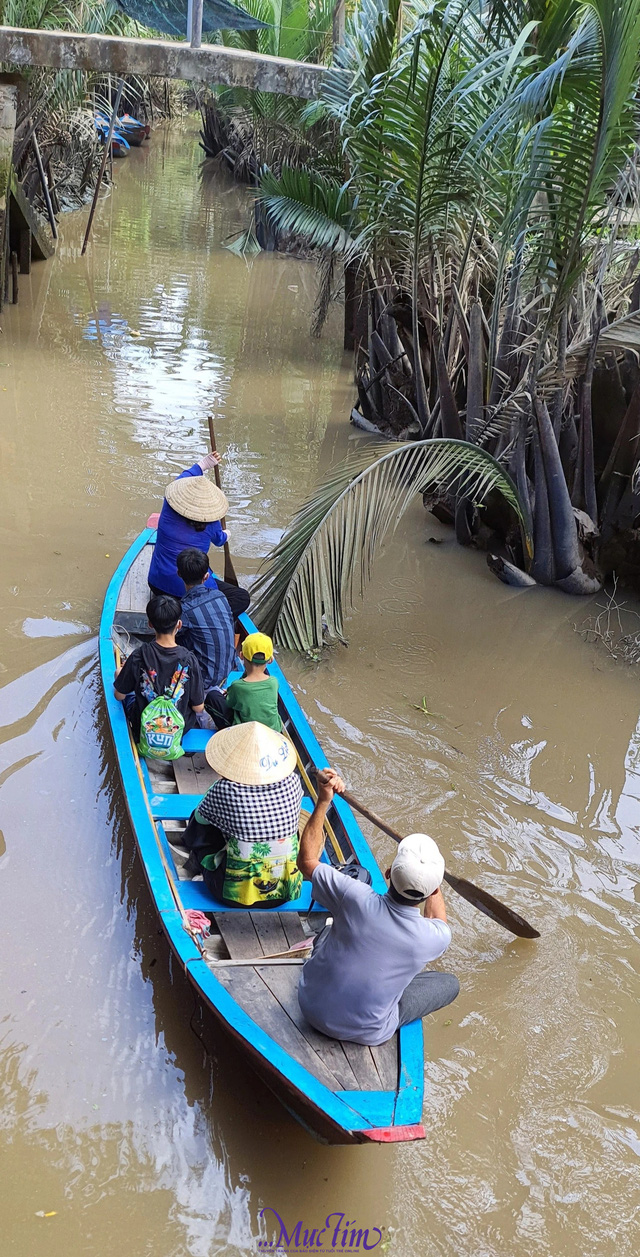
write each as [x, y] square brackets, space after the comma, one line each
[491, 907]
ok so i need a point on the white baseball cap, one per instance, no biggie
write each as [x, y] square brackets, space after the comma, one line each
[418, 868]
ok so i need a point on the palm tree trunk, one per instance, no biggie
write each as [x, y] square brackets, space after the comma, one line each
[563, 526]
[475, 375]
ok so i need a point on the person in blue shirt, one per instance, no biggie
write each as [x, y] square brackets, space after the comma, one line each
[207, 622]
[190, 518]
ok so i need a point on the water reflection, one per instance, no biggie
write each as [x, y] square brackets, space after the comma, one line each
[523, 759]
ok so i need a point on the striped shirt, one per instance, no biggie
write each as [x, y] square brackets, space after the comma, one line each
[207, 631]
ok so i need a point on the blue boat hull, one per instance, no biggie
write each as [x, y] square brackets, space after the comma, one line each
[333, 1116]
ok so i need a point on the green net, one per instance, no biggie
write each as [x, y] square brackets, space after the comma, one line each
[170, 16]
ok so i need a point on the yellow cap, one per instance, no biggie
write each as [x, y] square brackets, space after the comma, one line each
[257, 648]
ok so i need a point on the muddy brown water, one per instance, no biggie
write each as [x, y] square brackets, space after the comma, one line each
[114, 1120]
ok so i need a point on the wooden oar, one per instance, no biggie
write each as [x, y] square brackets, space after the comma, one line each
[473, 894]
[229, 569]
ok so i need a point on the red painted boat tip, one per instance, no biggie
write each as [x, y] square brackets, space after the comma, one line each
[152, 521]
[395, 1134]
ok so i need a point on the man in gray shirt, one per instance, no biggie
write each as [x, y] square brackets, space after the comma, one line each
[364, 976]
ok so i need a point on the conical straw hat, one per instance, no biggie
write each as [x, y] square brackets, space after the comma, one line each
[196, 498]
[251, 754]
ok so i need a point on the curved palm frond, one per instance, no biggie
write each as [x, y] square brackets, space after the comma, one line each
[310, 204]
[309, 578]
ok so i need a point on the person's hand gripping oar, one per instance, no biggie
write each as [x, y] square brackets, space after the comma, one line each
[480, 899]
[229, 569]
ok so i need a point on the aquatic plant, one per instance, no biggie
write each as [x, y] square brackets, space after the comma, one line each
[480, 199]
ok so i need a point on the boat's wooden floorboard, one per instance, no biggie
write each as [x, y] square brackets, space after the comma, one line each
[251, 993]
[193, 774]
[353, 1067]
[134, 592]
[267, 992]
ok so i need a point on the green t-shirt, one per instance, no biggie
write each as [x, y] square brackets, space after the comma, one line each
[255, 700]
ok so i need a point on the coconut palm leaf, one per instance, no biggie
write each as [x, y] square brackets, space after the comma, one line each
[326, 554]
[310, 204]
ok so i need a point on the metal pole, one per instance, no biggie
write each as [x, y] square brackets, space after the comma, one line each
[103, 163]
[196, 23]
[189, 19]
[45, 187]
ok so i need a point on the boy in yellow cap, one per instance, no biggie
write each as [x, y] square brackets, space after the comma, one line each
[255, 695]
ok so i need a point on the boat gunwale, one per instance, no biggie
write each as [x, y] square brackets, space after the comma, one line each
[267, 1054]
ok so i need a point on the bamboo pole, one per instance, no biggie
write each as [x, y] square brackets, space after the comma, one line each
[45, 187]
[103, 164]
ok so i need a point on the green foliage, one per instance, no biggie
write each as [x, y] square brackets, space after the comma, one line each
[310, 577]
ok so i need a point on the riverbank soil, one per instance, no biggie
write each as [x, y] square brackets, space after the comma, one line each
[462, 708]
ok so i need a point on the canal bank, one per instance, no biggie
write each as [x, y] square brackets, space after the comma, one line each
[118, 1131]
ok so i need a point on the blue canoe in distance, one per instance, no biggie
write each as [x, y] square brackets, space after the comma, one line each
[247, 971]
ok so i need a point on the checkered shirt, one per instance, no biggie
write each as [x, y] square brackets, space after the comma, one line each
[254, 813]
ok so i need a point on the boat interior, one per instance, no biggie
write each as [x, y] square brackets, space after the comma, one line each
[255, 955]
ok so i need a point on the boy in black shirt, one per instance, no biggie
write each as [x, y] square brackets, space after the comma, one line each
[151, 669]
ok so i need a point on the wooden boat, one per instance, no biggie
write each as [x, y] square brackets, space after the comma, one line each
[134, 132]
[343, 1093]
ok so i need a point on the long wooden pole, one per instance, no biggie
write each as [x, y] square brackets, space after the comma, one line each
[480, 899]
[103, 165]
[45, 187]
[229, 569]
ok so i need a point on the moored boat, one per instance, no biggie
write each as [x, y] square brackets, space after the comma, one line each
[246, 971]
[119, 145]
[134, 131]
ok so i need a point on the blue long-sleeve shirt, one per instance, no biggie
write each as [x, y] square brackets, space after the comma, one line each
[175, 533]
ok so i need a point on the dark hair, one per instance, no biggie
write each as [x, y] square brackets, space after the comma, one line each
[163, 613]
[414, 898]
[193, 565]
[198, 524]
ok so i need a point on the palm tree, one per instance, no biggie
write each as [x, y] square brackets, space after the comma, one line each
[487, 178]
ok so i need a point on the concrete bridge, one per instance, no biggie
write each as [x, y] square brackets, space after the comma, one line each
[162, 58]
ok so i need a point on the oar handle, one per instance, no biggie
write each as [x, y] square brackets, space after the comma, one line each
[216, 470]
[370, 816]
[229, 569]
[481, 899]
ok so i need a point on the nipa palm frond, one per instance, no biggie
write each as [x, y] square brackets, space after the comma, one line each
[309, 579]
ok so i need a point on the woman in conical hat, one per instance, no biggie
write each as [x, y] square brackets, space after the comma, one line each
[190, 519]
[243, 836]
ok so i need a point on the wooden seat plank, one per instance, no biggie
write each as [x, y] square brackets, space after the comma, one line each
[283, 983]
[363, 1066]
[270, 932]
[292, 926]
[386, 1060]
[251, 993]
[239, 935]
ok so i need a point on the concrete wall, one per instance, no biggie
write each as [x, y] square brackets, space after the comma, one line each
[8, 97]
[110, 54]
